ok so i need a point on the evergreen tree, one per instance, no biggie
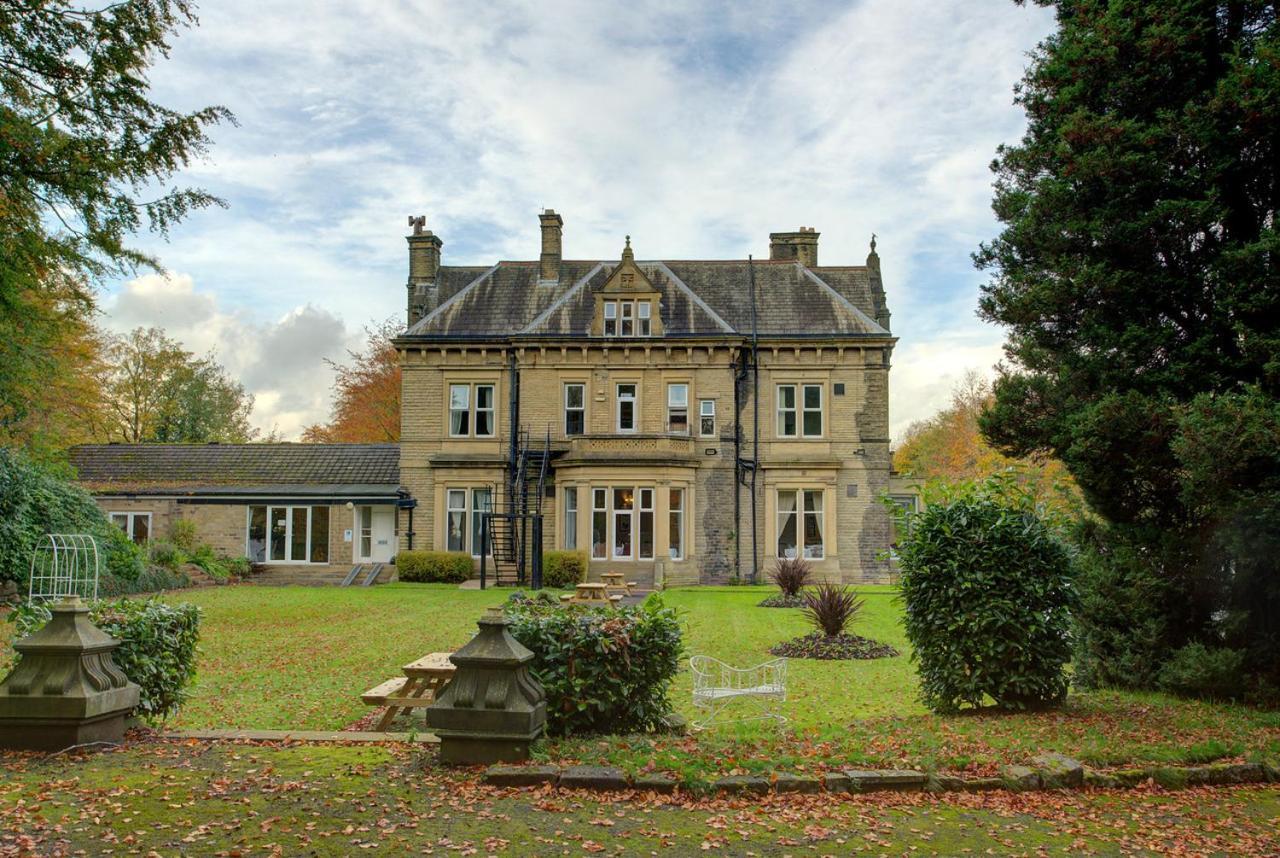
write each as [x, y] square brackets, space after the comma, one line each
[84, 155]
[1136, 275]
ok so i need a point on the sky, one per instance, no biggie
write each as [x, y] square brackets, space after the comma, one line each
[695, 127]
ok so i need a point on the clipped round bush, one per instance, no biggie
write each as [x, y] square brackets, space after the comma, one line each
[563, 570]
[987, 589]
[434, 567]
[605, 670]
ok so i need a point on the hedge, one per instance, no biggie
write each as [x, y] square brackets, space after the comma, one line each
[157, 646]
[563, 569]
[605, 670]
[435, 567]
[987, 589]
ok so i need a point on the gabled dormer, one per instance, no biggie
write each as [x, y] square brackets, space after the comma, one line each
[628, 304]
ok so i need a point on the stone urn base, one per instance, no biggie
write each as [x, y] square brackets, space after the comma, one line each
[482, 749]
[56, 734]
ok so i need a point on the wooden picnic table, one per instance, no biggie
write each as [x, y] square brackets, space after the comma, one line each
[591, 594]
[419, 686]
[615, 582]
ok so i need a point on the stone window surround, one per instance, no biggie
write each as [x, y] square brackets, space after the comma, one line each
[827, 482]
[800, 383]
[470, 514]
[450, 382]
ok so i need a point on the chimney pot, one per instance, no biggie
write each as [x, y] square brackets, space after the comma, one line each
[552, 231]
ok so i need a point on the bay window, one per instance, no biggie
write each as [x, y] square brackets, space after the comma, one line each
[599, 523]
[570, 540]
[800, 524]
[675, 509]
[456, 520]
[646, 524]
[464, 518]
[623, 523]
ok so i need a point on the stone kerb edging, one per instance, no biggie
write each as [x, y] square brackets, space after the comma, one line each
[1046, 772]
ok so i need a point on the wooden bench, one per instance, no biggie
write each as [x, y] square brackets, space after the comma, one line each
[422, 681]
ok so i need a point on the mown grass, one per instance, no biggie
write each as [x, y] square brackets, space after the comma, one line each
[206, 799]
[298, 658]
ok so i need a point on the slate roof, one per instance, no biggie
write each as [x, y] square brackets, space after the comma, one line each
[333, 469]
[699, 298]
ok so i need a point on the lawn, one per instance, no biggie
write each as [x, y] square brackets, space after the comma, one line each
[222, 799]
[298, 658]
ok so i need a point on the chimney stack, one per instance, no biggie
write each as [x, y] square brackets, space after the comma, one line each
[802, 246]
[552, 227]
[424, 263]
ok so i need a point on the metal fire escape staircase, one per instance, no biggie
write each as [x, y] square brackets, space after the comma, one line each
[514, 534]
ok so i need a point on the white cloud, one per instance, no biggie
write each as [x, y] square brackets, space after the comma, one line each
[696, 127]
[281, 362]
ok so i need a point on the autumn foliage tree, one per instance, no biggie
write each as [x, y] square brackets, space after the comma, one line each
[366, 393]
[948, 448]
[86, 159]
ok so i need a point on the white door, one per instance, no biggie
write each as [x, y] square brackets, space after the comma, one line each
[384, 534]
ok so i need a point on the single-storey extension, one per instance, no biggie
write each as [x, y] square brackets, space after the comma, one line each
[318, 508]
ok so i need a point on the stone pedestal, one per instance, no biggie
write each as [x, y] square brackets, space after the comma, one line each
[66, 690]
[492, 710]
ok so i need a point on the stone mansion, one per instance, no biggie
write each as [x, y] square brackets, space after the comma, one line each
[704, 416]
[688, 421]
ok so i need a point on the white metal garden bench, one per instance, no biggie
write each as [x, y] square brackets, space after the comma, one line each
[716, 685]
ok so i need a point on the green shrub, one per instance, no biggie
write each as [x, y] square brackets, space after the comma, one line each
[152, 579]
[183, 534]
[604, 670]
[435, 567]
[163, 553]
[1199, 671]
[987, 589]
[157, 646]
[35, 500]
[239, 567]
[563, 569]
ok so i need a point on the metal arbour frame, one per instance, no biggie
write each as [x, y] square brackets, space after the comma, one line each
[64, 564]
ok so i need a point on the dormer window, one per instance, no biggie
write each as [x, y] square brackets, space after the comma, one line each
[628, 319]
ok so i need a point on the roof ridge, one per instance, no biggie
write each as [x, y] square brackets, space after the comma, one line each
[452, 298]
[559, 302]
[695, 297]
[875, 326]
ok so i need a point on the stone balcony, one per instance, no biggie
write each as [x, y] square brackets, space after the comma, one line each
[631, 447]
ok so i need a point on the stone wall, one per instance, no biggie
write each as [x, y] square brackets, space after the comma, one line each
[849, 462]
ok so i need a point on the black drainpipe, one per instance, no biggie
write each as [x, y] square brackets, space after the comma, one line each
[755, 431]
